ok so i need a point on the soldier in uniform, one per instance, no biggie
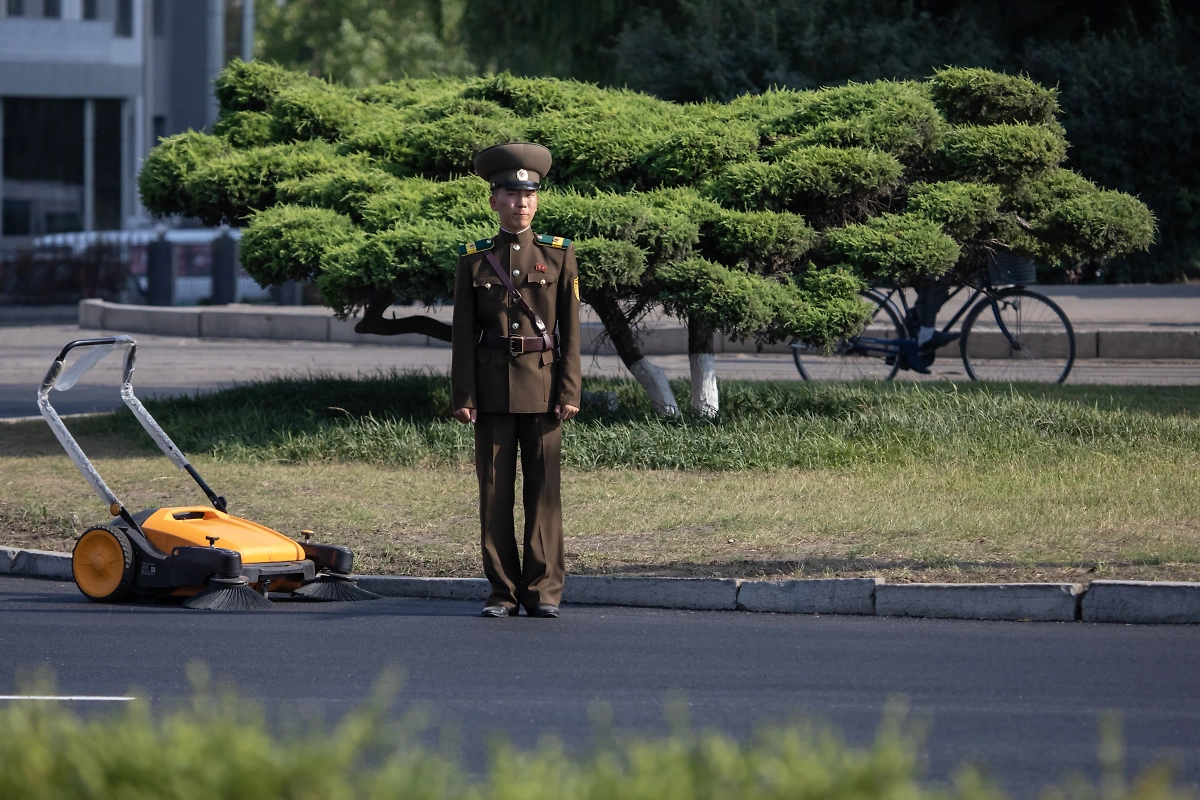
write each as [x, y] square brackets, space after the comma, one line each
[516, 375]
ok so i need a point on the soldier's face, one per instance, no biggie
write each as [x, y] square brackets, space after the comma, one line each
[515, 207]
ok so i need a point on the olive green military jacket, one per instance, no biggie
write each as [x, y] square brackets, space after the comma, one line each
[543, 270]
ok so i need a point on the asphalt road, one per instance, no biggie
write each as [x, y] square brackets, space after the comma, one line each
[172, 366]
[1022, 699]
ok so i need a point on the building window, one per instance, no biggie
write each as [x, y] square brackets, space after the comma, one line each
[52, 8]
[158, 15]
[124, 23]
[159, 124]
[43, 165]
[16, 8]
[91, 9]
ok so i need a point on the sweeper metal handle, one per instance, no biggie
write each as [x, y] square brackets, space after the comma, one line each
[62, 380]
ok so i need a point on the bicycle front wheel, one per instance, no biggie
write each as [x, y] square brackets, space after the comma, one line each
[860, 358]
[1017, 336]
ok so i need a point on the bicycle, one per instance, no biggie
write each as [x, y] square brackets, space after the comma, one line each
[1025, 337]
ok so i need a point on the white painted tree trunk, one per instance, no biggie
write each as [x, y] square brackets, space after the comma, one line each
[654, 381]
[704, 384]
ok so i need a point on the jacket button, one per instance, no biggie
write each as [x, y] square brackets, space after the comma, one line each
[542, 281]
[516, 247]
[516, 326]
[516, 272]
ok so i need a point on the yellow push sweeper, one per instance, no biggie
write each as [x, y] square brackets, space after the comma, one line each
[204, 554]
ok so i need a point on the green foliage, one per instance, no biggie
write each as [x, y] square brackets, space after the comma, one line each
[962, 209]
[228, 188]
[245, 128]
[252, 86]
[743, 304]
[999, 153]
[660, 232]
[698, 150]
[361, 42]
[312, 110]
[404, 419]
[892, 246]
[416, 259]
[896, 117]
[710, 209]
[984, 97]
[1097, 226]
[760, 241]
[824, 183]
[609, 264]
[169, 166]
[285, 242]
[1131, 104]
[529, 97]
[1035, 197]
[347, 188]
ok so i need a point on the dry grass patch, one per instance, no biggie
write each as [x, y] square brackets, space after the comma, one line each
[1077, 518]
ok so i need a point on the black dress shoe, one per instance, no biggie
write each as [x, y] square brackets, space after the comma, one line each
[496, 611]
[544, 610]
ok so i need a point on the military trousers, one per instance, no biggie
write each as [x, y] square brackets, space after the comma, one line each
[539, 437]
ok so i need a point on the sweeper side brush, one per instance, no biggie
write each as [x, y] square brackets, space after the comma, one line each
[163, 552]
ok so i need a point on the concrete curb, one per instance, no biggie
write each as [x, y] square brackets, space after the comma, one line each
[434, 588]
[1160, 602]
[1049, 602]
[700, 594]
[36, 564]
[1153, 602]
[312, 324]
[819, 596]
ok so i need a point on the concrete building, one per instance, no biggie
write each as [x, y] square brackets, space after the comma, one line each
[88, 87]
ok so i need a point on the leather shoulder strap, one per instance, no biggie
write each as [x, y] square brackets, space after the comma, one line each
[514, 294]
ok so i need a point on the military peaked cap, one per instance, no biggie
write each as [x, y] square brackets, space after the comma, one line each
[514, 165]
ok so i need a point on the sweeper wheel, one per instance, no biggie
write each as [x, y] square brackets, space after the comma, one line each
[102, 563]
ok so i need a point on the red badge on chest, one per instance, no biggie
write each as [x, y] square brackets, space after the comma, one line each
[540, 267]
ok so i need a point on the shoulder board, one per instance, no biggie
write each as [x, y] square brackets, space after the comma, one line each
[553, 241]
[474, 247]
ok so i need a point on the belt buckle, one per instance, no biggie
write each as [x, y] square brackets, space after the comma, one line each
[516, 345]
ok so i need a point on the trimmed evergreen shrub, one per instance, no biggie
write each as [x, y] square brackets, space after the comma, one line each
[826, 184]
[286, 243]
[609, 264]
[999, 153]
[962, 209]
[1097, 225]
[711, 209]
[896, 117]
[983, 97]
[245, 128]
[892, 246]
[162, 182]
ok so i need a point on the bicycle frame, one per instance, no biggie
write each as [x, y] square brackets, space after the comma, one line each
[869, 344]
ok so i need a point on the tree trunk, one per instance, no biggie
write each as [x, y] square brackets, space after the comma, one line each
[373, 321]
[703, 365]
[652, 379]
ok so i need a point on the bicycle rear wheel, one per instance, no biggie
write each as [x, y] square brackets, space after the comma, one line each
[1039, 347]
[848, 359]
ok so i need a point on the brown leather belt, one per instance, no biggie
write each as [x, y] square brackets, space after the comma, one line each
[516, 345]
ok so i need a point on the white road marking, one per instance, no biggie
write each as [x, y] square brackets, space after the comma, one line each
[64, 697]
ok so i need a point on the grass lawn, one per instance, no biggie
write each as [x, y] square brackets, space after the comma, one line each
[906, 482]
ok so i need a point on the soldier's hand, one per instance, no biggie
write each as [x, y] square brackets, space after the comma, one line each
[565, 412]
[465, 415]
